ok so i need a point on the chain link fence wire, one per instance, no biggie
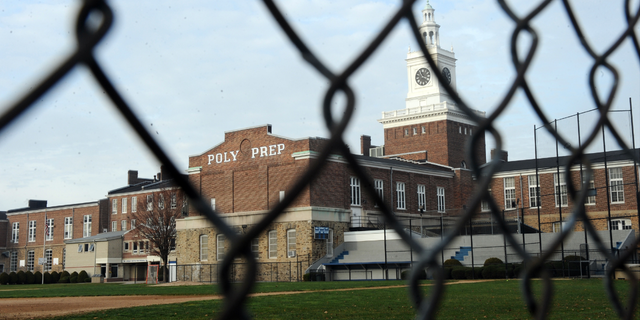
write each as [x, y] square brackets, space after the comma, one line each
[88, 36]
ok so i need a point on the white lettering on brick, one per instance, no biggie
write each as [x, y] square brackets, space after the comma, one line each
[264, 151]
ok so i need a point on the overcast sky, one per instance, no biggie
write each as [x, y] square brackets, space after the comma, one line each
[192, 70]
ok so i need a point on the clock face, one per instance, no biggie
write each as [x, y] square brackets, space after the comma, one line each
[423, 76]
[447, 74]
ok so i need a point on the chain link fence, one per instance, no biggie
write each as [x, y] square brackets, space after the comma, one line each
[89, 35]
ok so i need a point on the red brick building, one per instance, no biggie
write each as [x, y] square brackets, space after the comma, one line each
[612, 192]
[252, 170]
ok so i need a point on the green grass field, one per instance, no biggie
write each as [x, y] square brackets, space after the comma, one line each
[573, 299]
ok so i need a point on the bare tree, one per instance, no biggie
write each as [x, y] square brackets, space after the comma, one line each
[156, 216]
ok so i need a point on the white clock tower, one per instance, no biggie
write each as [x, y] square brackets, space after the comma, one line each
[424, 87]
[431, 128]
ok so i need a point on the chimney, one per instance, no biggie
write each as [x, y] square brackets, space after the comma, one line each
[37, 204]
[501, 154]
[164, 174]
[365, 145]
[132, 177]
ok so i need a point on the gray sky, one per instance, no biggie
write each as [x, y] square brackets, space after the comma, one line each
[192, 70]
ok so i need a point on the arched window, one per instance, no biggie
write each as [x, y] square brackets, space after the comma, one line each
[430, 37]
[463, 165]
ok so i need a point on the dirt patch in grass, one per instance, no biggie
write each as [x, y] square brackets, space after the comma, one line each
[26, 308]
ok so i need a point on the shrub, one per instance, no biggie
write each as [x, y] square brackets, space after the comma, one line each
[452, 263]
[73, 278]
[55, 277]
[447, 273]
[64, 274]
[478, 272]
[31, 279]
[47, 277]
[37, 277]
[492, 261]
[87, 280]
[473, 273]
[306, 277]
[493, 272]
[64, 279]
[22, 277]
[405, 275]
[13, 278]
[82, 276]
[459, 272]
[4, 278]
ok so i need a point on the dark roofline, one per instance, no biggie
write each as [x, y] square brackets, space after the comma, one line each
[403, 164]
[550, 162]
[96, 202]
[145, 186]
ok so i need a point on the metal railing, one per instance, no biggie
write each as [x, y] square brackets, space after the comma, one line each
[88, 35]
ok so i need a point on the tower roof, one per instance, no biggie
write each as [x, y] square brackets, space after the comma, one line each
[428, 6]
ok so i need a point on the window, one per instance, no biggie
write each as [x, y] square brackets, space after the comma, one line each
[80, 248]
[330, 244]
[355, 191]
[86, 227]
[470, 131]
[149, 202]
[440, 194]
[14, 262]
[415, 131]
[123, 225]
[406, 132]
[291, 243]
[126, 247]
[213, 203]
[422, 197]
[379, 185]
[30, 260]
[400, 195]
[560, 190]
[172, 244]
[64, 258]
[220, 247]
[558, 226]
[174, 201]
[135, 247]
[49, 230]
[134, 204]
[91, 247]
[255, 247]
[621, 224]
[114, 226]
[423, 130]
[534, 192]
[15, 232]
[48, 255]
[204, 247]
[161, 202]
[591, 194]
[484, 205]
[465, 131]
[509, 193]
[32, 231]
[459, 129]
[273, 244]
[114, 206]
[133, 224]
[68, 227]
[124, 205]
[281, 196]
[617, 187]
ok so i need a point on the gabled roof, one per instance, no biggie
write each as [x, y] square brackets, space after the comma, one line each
[106, 236]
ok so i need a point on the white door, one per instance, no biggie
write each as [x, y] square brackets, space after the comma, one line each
[356, 217]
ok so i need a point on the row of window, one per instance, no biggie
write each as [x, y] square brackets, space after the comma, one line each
[356, 196]
[617, 224]
[424, 130]
[31, 258]
[123, 225]
[616, 189]
[49, 228]
[136, 247]
[272, 245]
[134, 203]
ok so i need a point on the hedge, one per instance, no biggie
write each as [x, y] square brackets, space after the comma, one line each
[4, 278]
[31, 278]
[13, 278]
[405, 275]
[82, 276]
[452, 263]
